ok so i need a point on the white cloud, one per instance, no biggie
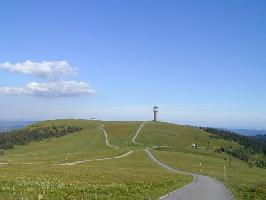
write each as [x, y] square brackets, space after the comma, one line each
[53, 72]
[49, 70]
[50, 89]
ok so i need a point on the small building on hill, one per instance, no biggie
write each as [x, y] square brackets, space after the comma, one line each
[195, 146]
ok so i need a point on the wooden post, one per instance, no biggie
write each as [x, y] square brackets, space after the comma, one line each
[200, 167]
[224, 174]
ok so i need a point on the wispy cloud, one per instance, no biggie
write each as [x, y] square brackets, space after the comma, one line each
[49, 70]
[50, 89]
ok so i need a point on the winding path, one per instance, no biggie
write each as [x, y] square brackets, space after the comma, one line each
[201, 188]
[100, 159]
[106, 137]
[84, 161]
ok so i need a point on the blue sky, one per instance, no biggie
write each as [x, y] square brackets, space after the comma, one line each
[203, 62]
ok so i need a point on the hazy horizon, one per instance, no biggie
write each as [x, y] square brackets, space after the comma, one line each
[233, 128]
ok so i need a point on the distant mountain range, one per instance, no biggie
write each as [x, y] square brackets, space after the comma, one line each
[256, 134]
[11, 125]
[260, 137]
[249, 132]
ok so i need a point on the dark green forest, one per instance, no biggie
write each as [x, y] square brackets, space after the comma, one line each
[252, 150]
[33, 133]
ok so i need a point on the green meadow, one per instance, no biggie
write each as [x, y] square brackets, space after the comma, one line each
[132, 177]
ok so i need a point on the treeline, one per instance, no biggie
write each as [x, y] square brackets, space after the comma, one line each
[251, 150]
[261, 138]
[33, 133]
[250, 144]
[242, 154]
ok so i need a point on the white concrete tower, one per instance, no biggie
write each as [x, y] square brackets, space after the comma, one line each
[155, 111]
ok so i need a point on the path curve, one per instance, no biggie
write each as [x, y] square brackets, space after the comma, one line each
[201, 188]
[106, 137]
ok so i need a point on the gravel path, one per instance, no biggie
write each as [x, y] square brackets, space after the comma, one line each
[75, 162]
[201, 188]
[137, 133]
[106, 138]
[98, 159]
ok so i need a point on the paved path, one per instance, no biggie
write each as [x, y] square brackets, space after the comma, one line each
[201, 188]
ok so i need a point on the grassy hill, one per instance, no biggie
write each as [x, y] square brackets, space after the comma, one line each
[132, 177]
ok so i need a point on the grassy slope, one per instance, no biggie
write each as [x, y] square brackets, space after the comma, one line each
[241, 179]
[133, 177]
[178, 136]
[86, 144]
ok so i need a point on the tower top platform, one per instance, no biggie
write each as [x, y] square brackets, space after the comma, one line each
[156, 108]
